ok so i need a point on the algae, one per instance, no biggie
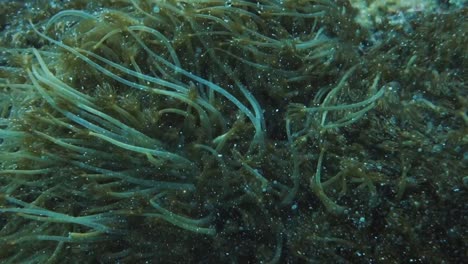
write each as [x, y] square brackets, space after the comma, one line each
[231, 132]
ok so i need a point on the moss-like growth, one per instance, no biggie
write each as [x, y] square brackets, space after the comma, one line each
[230, 131]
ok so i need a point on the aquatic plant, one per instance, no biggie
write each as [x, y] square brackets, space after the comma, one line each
[211, 131]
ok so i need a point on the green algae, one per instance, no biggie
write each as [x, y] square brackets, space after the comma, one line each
[230, 131]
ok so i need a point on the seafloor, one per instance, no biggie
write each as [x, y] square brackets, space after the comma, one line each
[237, 131]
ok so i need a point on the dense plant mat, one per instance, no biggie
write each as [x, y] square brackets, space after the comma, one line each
[231, 132]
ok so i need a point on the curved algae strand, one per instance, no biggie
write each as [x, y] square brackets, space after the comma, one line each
[258, 119]
[162, 38]
[73, 237]
[43, 215]
[264, 183]
[279, 247]
[296, 177]
[193, 225]
[158, 153]
[259, 124]
[158, 185]
[75, 13]
[317, 188]
[350, 118]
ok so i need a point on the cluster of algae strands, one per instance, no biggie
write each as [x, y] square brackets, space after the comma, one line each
[230, 132]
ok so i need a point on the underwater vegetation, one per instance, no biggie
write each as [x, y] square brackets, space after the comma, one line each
[211, 131]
